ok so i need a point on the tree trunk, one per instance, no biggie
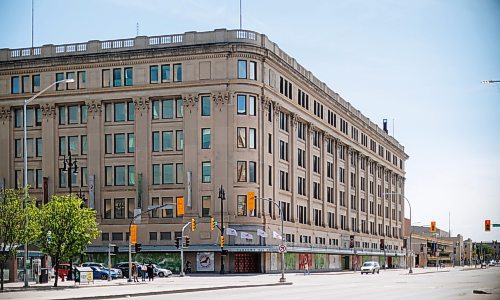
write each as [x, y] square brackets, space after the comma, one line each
[2, 265]
[57, 271]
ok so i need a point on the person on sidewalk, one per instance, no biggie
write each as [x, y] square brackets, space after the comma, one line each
[134, 273]
[306, 266]
[144, 271]
[151, 275]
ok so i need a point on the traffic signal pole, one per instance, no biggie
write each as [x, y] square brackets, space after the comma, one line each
[282, 279]
[130, 242]
[182, 248]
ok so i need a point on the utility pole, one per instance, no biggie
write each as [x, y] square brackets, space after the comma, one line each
[222, 197]
[182, 247]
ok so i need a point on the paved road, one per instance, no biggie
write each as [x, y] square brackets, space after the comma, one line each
[453, 284]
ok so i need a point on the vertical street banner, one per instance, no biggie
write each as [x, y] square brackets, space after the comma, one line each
[205, 262]
[45, 190]
[189, 188]
[92, 191]
[133, 234]
[180, 206]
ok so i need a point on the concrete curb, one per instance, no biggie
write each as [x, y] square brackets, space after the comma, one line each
[427, 272]
[179, 291]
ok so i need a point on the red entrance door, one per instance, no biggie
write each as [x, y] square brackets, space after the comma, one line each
[246, 262]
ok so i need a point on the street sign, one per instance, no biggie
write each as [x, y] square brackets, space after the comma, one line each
[282, 248]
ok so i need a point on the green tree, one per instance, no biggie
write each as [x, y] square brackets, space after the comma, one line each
[18, 224]
[67, 228]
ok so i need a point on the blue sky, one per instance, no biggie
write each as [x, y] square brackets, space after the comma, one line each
[419, 63]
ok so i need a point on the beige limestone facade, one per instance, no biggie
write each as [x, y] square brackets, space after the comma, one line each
[153, 119]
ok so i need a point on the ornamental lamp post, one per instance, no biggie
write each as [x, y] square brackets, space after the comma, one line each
[25, 142]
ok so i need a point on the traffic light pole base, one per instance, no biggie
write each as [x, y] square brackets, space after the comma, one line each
[282, 280]
[182, 274]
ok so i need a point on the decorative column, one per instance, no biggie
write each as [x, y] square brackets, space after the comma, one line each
[276, 173]
[309, 172]
[95, 132]
[348, 185]
[322, 191]
[6, 136]
[142, 134]
[50, 146]
[293, 161]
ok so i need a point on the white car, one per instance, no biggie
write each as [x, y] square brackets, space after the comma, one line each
[161, 272]
[370, 267]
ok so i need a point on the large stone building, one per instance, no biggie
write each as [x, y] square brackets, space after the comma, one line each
[153, 119]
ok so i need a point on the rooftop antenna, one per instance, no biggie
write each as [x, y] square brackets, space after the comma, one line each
[240, 16]
[393, 127]
[137, 28]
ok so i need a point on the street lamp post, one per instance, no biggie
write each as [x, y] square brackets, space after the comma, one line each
[70, 166]
[222, 197]
[282, 279]
[409, 205]
[25, 104]
[489, 81]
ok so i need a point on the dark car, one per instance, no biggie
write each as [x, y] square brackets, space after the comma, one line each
[123, 267]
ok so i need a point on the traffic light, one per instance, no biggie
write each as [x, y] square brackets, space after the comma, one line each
[251, 200]
[115, 249]
[187, 241]
[433, 226]
[382, 244]
[221, 241]
[177, 242]
[138, 247]
[193, 224]
[213, 223]
[487, 225]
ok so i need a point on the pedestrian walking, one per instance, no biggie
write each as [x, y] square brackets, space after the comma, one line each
[151, 276]
[134, 273]
[144, 271]
[306, 266]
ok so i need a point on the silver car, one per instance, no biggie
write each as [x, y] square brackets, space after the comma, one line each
[370, 267]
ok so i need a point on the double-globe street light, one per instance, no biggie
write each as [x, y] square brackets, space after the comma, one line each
[25, 152]
[409, 205]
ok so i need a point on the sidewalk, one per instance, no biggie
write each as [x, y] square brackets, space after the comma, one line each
[121, 288]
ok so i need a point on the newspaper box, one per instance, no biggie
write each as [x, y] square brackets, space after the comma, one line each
[84, 275]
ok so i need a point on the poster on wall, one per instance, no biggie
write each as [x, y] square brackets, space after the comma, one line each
[334, 262]
[274, 261]
[205, 262]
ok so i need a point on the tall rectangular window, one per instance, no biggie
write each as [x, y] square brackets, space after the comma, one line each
[252, 171]
[206, 172]
[107, 209]
[165, 73]
[242, 69]
[177, 72]
[155, 201]
[252, 138]
[62, 179]
[205, 138]
[156, 141]
[252, 70]
[119, 143]
[108, 112]
[179, 141]
[167, 140]
[205, 105]
[117, 77]
[108, 174]
[179, 173]
[168, 173]
[168, 109]
[129, 76]
[82, 80]
[62, 115]
[84, 112]
[156, 174]
[242, 171]
[242, 205]
[206, 202]
[18, 118]
[14, 85]
[179, 105]
[84, 176]
[130, 143]
[70, 85]
[19, 148]
[59, 77]
[130, 207]
[84, 146]
[73, 114]
[153, 74]
[119, 175]
[108, 143]
[35, 83]
[242, 137]
[156, 109]
[242, 104]
[39, 147]
[130, 111]
[119, 208]
[252, 105]
[62, 145]
[106, 78]
[131, 175]
[38, 116]
[119, 112]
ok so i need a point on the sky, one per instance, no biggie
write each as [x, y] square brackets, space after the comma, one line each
[418, 64]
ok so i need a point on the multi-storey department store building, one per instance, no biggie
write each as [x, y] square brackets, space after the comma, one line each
[152, 119]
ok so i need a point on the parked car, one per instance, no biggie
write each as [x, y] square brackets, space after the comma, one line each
[102, 266]
[123, 267]
[100, 273]
[492, 263]
[161, 272]
[370, 267]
